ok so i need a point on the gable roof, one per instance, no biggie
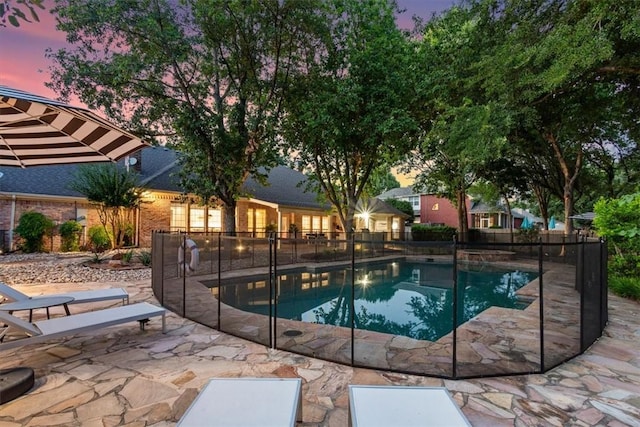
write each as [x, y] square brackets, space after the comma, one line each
[159, 166]
[395, 193]
[375, 205]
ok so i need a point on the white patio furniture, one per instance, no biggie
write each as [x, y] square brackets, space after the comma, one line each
[94, 295]
[37, 303]
[18, 332]
[389, 406]
[246, 402]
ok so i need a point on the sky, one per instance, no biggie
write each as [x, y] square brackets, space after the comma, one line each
[22, 50]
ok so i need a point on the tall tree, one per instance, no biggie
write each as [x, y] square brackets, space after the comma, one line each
[349, 116]
[462, 129]
[205, 75]
[554, 61]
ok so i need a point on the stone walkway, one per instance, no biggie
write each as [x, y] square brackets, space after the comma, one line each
[121, 376]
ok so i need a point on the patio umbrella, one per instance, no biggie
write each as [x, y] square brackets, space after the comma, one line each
[39, 131]
[525, 223]
[552, 223]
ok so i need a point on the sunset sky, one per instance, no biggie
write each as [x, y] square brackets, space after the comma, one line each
[22, 50]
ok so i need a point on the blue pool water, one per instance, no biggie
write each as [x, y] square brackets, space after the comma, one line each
[401, 298]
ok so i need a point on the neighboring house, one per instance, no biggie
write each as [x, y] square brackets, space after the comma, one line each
[407, 194]
[283, 202]
[377, 216]
[486, 216]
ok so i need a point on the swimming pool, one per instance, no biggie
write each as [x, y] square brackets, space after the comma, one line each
[401, 298]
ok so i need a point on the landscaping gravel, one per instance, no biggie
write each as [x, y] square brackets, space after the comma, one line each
[63, 268]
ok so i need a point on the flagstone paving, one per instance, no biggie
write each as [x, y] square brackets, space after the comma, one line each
[121, 376]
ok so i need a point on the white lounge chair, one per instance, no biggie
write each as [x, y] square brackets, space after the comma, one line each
[95, 295]
[70, 325]
[383, 406]
[246, 402]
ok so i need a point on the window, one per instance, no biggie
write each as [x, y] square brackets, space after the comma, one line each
[306, 223]
[215, 219]
[196, 218]
[315, 224]
[178, 220]
[415, 201]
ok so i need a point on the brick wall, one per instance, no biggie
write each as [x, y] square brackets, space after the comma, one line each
[155, 214]
[438, 210]
[58, 211]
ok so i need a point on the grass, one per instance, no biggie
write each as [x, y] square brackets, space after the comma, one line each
[626, 287]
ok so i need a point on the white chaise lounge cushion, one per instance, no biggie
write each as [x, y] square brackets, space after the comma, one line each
[69, 325]
[93, 295]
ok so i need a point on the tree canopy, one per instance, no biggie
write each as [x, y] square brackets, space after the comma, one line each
[348, 116]
[206, 76]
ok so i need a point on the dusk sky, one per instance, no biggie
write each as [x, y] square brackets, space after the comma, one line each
[22, 50]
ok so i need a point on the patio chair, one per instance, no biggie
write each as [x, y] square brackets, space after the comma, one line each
[246, 402]
[70, 325]
[378, 406]
[94, 295]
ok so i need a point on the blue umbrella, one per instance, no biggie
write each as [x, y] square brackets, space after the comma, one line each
[525, 223]
[552, 223]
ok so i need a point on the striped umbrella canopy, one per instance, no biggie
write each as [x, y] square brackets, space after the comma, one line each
[39, 131]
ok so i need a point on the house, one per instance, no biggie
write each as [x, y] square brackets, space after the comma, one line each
[377, 216]
[283, 202]
[407, 194]
[428, 208]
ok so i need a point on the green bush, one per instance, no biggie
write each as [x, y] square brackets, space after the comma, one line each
[70, 235]
[428, 233]
[127, 256]
[99, 239]
[32, 227]
[528, 235]
[145, 258]
[626, 287]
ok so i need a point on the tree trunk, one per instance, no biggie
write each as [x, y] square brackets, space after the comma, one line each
[509, 218]
[463, 224]
[229, 222]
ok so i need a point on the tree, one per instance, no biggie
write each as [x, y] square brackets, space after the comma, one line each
[462, 129]
[558, 66]
[14, 14]
[404, 206]
[348, 116]
[115, 194]
[207, 76]
[380, 180]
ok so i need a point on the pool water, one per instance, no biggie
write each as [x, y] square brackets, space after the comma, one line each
[400, 298]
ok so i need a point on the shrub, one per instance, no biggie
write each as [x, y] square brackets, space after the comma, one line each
[145, 258]
[32, 227]
[70, 235]
[440, 233]
[528, 235]
[99, 239]
[626, 287]
[127, 256]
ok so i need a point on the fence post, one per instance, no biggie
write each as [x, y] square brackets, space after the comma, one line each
[272, 294]
[454, 361]
[541, 296]
[184, 276]
[219, 277]
[353, 296]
